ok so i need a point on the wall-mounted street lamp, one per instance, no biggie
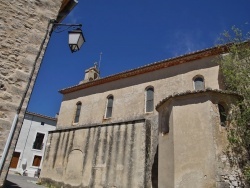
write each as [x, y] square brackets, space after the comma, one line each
[76, 40]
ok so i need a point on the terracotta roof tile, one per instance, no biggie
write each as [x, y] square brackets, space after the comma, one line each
[174, 95]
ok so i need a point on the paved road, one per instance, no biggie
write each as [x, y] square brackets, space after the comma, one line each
[17, 181]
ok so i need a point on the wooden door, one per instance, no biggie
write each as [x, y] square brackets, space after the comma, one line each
[14, 160]
[37, 160]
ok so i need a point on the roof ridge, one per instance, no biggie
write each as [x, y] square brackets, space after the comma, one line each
[41, 115]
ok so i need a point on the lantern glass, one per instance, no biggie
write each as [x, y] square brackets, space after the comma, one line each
[76, 40]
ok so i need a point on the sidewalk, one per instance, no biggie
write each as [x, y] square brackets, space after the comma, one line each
[17, 181]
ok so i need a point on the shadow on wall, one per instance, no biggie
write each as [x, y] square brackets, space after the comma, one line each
[154, 172]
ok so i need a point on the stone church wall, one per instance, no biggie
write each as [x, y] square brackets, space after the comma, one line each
[129, 93]
[110, 155]
[71, 139]
[23, 24]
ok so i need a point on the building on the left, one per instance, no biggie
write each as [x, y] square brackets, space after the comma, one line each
[28, 155]
[24, 26]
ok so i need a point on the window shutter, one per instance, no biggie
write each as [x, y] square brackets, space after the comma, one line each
[37, 160]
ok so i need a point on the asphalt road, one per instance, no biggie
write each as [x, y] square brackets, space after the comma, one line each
[17, 181]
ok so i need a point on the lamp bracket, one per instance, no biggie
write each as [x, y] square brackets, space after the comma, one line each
[60, 27]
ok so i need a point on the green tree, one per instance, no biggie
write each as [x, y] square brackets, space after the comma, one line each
[235, 68]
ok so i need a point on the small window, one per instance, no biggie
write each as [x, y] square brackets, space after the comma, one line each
[223, 115]
[37, 160]
[78, 111]
[199, 83]
[95, 75]
[149, 99]
[110, 101]
[38, 144]
[164, 126]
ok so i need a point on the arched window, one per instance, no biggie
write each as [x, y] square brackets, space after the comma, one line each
[149, 99]
[223, 115]
[199, 83]
[78, 111]
[109, 108]
[164, 124]
[95, 75]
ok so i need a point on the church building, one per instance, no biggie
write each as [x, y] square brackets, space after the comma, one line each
[160, 125]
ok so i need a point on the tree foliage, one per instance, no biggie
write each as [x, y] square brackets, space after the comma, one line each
[235, 68]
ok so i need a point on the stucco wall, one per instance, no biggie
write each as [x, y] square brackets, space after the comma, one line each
[32, 125]
[23, 24]
[192, 153]
[193, 142]
[166, 176]
[129, 93]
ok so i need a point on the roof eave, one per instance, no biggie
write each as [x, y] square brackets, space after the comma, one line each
[66, 8]
[149, 68]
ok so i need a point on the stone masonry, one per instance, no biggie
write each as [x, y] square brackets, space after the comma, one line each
[23, 27]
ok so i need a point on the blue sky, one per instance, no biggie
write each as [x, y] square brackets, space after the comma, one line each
[131, 34]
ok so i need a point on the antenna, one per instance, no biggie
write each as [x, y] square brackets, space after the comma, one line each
[100, 59]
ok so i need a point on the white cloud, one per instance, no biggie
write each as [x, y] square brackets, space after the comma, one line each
[183, 42]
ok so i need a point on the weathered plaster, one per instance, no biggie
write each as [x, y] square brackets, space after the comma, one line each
[190, 154]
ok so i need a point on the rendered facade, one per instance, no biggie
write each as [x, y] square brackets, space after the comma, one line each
[29, 151]
[23, 29]
[109, 133]
[193, 140]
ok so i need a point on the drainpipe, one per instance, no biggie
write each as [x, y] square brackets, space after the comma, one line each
[31, 122]
[6, 147]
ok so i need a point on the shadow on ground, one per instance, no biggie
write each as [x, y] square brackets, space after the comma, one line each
[9, 184]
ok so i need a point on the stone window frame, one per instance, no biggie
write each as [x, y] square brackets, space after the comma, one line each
[77, 112]
[146, 98]
[198, 76]
[109, 109]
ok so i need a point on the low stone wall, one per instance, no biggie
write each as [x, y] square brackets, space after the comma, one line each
[117, 155]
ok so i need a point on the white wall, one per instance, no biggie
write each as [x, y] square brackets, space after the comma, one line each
[32, 125]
